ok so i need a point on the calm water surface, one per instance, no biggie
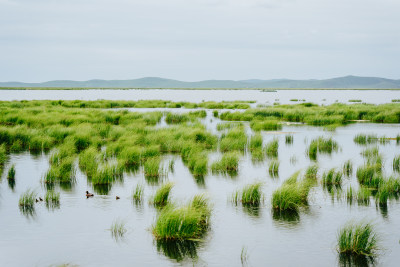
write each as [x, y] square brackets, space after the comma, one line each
[77, 232]
[281, 96]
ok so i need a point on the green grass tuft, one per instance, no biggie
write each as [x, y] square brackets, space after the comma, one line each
[358, 239]
[162, 194]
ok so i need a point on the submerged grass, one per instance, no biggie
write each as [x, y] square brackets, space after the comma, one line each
[358, 239]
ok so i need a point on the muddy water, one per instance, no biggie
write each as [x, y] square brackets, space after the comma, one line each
[268, 98]
[78, 231]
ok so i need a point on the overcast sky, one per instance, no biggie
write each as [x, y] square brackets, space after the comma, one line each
[194, 40]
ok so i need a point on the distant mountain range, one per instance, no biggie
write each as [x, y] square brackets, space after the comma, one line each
[347, 82]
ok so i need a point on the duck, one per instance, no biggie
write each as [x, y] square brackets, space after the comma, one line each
[40, 199]
[37, 200]
[89, 194]
[117, 197]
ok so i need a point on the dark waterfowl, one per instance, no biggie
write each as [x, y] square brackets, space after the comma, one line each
[89, 194]
[40, 199]
[117, 197]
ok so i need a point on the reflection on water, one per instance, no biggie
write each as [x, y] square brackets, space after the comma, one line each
[178, 250]
[349, 260]
[286, 218]
[102, 189]
[28, 212]
[11, 184]
[252, 210]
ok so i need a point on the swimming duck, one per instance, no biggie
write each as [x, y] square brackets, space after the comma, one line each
[40, 199]
[117, 197]
[89, 194]
[37, 200]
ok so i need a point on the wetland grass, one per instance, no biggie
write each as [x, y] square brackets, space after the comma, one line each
[107, 174]
[292, 195]
[11, 173]
[250, 195]
[162, 194]
[189, 222]
[273, 168]
[118, 229]
[52, 199]
[347, 168]
[138, 193]
[332, 177]
[311, 172]
[152, 167]
[289, 139]
[228, 163]
[396, 164]
[256, 142]
[271, 148]
[363, 196]
[27, 199]
[358, 239]
[321, 145]
[234, 140]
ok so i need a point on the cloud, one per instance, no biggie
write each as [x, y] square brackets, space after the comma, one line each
[198, 39]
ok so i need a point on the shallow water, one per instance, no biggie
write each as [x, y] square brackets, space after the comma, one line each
[77, 232]
[196, 96]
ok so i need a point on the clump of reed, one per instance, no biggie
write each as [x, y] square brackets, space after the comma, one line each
[271, 148]
[332, 177]
[228, 162]
[227, 125]
[250, 195]
[273, 168]
[162, 194]
[52, 198]
[370, 175]
[358, 239]
[256, 142]
[235, 139]
[396, 164]
[347, 168]
[363, 196]
[321, 145]
[27, 199]
[289, 139]
[137, 195]
[152, 167]
[11, 173]
[118, 229]
[265, 125]
[188, 222]
[107, 174]
[292, 195]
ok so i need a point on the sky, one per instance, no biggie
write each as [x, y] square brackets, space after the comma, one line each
[194, 40]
